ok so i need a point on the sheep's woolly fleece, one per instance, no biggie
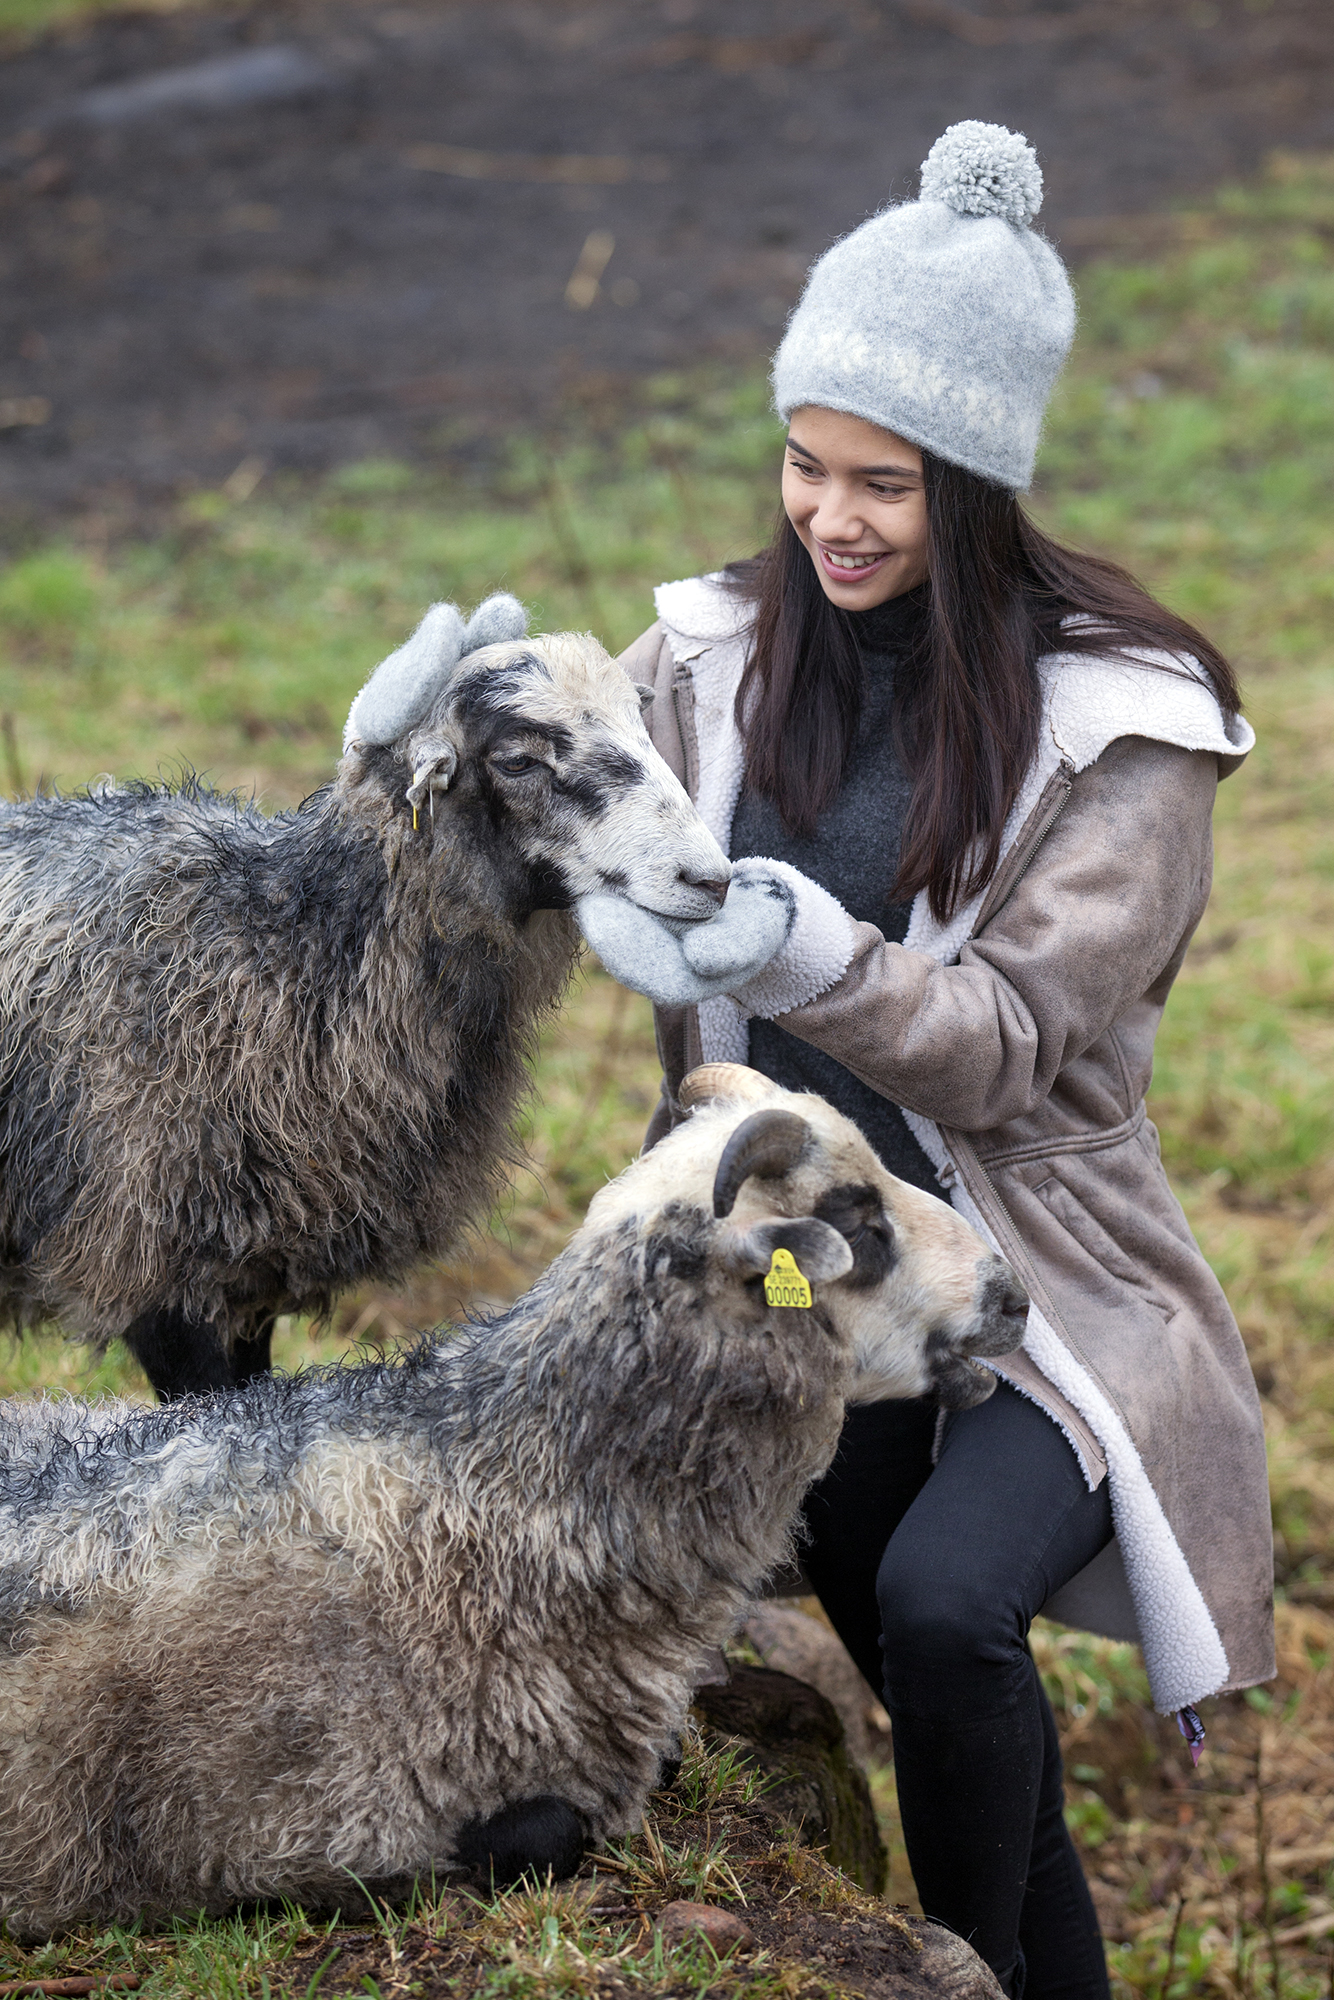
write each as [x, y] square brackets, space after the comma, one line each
[1088, 703]
[248, 1061]
[253, 1644]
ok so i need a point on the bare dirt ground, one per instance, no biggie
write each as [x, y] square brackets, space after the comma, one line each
[446, 218]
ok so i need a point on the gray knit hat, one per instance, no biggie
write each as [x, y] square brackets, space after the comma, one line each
[944, 320]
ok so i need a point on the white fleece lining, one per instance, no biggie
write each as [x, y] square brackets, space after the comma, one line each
[706, 626]
[1088, 704]
[724, 1033]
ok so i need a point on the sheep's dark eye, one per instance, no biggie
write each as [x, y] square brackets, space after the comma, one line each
[515, 764]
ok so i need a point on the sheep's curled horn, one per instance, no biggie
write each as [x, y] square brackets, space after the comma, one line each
[722, 1079]
[767, 1143]
[403, 686]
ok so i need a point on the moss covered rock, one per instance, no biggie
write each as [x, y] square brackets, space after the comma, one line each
[792, 1734]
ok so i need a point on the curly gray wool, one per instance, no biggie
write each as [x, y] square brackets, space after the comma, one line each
[299, 1635]
[246, 1062]
[980, 169]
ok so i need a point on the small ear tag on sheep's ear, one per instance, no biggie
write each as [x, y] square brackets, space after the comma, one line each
[784, 1284]
[433, 769]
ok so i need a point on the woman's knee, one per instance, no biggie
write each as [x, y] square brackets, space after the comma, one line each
[939, 1627]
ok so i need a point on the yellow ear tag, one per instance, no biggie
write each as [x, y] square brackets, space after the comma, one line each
[784, 1284]
[414, 819]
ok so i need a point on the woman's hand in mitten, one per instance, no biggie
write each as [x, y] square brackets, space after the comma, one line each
[678, 965]
[803, 938]
[778, 941]
[752, 925]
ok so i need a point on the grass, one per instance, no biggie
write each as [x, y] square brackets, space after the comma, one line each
[236, 639]
[1193, 438]
[24, 20]
[709, 1838]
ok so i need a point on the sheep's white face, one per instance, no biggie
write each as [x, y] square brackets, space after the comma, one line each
[546, 734]
[903, 1280]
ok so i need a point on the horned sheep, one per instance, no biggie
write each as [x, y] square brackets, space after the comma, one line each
[367, 1625]
[246, 1062]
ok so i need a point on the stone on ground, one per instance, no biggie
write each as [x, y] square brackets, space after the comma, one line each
[792, 1642]
[682, 1922]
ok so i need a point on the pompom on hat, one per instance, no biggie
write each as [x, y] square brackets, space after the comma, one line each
[945, 320]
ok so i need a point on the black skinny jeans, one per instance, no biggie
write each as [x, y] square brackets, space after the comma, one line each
[951, 1563]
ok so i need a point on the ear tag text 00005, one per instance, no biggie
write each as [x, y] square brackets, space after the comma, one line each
[784, 1284]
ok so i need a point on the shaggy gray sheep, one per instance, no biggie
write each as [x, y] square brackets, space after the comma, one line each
[246, 1062]
[447, 1612]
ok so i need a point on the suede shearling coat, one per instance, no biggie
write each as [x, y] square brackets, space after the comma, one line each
[1018, 1039]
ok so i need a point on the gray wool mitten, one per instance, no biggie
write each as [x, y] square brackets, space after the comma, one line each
[677, 964]
[403, 686]
[777, 942]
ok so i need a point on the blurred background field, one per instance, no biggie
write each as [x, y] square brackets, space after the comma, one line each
[1194, 440]
[454, 213]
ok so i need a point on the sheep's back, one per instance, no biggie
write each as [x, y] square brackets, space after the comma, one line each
[337, 1614]
[229, 1075]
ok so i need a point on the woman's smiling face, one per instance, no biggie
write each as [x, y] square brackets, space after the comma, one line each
[856, 496]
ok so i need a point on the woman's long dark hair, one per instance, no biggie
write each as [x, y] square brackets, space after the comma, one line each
[968, 705]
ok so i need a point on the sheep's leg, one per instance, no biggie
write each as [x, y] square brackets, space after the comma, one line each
[539, 1837]
[180, 1357]
[252, 1357]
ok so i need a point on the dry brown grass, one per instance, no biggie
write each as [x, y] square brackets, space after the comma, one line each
[1233, 1861]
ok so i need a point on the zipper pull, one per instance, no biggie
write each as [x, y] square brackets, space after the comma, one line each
[1188, 1722]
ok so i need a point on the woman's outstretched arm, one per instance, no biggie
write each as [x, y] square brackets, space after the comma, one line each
[1100, 920]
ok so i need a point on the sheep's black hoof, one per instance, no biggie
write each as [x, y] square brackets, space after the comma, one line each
[539, 1837]
[669, 1770]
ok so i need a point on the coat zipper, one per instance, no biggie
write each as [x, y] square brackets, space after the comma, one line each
[689, 740]
[1039, 834]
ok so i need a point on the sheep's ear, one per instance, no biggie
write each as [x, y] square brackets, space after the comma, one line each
[647, 695]
[405, 685]
[820, 1251]
[434, 761]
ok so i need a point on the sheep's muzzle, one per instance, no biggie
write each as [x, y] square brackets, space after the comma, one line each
[997, 1327]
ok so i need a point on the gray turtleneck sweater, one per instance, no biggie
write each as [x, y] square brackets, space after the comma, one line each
[854, 854]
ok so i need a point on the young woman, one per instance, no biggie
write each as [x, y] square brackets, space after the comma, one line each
[966, 777]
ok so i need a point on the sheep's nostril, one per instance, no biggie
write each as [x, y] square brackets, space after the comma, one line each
[1014, 1301]
[1002, 1312]
[710, 884]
